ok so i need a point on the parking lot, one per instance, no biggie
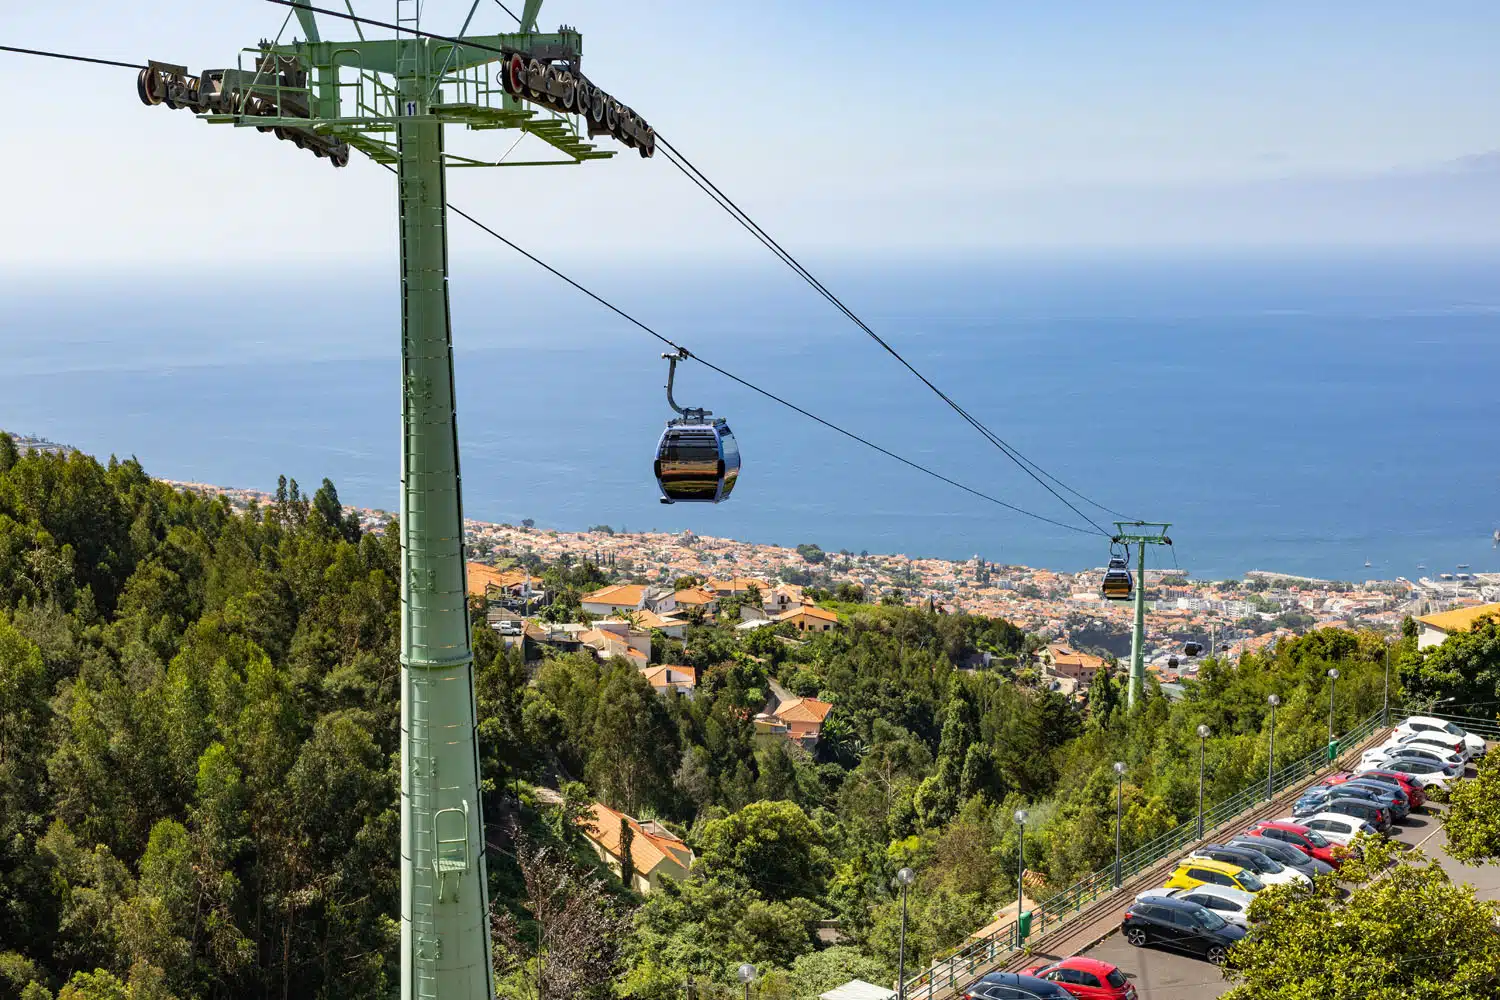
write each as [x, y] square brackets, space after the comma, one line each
[1164, 975]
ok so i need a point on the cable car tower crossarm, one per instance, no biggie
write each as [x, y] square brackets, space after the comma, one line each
[1140, 534]
[389, 98]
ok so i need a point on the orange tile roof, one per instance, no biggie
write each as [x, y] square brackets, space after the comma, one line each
[625, 593]
[1062, 656]
[803, 710]
[601, 824]
[610, 644]
[811, 611]
[693, 595]
[482, 577]
[737, 584]
[668, 675]
[1460, 619]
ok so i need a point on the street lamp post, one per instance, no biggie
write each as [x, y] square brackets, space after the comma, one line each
[905, 877]
[1385, 712]
[746, 974]
[1203, 733]
[1119, 812]
[1333, 679]
[1273, 701]
[1020, 869]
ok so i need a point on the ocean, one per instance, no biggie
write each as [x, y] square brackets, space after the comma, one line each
[1301, 411]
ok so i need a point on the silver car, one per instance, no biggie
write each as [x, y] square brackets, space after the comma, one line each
[1230, 903]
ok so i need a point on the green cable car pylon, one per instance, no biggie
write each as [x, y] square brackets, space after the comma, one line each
[1140, 534]
[389, 99]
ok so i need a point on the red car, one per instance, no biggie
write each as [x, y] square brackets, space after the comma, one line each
[1087, 978]
[1414, 793]
[1309, 842]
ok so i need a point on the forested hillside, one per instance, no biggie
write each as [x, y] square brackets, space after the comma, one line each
[198, 775]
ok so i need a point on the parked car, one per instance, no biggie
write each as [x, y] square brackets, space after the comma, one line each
[1176, 923]
[1271, 871]
[1338, 827]
[1408, 783]
[1192, 873]
[1285, 853]
[1346, 799]
[1315, 798]
[1427, 724]
[1429, 772]
[1453, 764]
[1390, 796]
[1231, 904]
[1012, 986]
[1360, 809]
[1087, 978]
[1432, 741]
[1309, 842]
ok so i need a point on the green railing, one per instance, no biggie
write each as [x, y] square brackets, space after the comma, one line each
[980, 955]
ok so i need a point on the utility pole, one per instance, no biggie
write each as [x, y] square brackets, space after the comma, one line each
[1140, 537]
[389, 98]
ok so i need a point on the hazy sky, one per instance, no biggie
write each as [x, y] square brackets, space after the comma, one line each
[871, 126]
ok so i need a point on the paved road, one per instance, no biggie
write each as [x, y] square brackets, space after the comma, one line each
[1164, 975]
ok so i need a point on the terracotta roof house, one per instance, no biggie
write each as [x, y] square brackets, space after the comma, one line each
[809, 618]
[1064, 662]
[1436, 628]
[606, 643]
[608, 600]
[483, 579]
[692, 597]
[669, 678]
[654, 850]
[803, 719]
[737, 585]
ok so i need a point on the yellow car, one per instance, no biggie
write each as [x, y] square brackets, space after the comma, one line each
[1193, 872]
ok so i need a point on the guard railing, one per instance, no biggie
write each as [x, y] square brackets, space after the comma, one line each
[981, 954]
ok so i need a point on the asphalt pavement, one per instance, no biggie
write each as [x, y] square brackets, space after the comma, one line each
[1164, 975]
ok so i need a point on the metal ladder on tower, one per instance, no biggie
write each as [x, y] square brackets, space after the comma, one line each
[408, 21]
[423, 779]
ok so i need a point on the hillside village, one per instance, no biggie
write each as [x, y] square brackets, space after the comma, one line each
[1060, 608]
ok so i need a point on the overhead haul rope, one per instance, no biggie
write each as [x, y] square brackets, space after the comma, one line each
[638, 323]
[682, 163]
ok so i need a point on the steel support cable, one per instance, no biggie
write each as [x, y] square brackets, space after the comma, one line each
[690, 171]
[65, 55]
[750, 385]
[631, 319]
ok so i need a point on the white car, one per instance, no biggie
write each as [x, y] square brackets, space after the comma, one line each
[1443, 743]
[1429, 772]
[1227, 901]
[1336, 827]
[1452, 763]
[1427, 724]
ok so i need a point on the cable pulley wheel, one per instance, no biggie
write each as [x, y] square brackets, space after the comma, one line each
[143, 88]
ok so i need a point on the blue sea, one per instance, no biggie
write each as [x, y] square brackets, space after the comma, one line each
[1302, 411]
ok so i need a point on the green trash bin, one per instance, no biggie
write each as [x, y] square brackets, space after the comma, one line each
[1333, 751]
[1023, 926]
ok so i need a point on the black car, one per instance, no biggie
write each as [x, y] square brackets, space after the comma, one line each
[1286, 854]
[1013, 986]
[1176, 923]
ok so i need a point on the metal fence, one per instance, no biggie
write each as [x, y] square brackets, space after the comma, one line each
[982, 954]
[1488, 728]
